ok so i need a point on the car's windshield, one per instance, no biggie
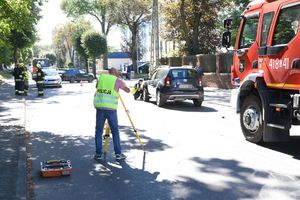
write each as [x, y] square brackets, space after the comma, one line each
[183, 73]
[51, 73]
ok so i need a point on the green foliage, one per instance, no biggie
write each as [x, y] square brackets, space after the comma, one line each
[102, 10]
[17, 25]
[234, 10]
[51, 57]
[133, 15]
[192, 22]
[26, 55]
[67, 38]
[94, 43]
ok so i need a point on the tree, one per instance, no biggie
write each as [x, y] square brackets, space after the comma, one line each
[17, 24]
[133, 14]
[81, 27]
[51, 57]
[64, 39]
[102, 10]
[95, 45]
[234, 10]
[192, 24]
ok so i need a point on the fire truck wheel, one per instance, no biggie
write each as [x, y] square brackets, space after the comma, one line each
[251, 119]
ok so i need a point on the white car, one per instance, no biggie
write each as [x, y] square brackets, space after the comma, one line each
[52, 78]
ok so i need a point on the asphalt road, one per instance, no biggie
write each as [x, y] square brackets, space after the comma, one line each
[191, 153]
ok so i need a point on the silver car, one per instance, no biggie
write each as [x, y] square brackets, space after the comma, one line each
[52, 78]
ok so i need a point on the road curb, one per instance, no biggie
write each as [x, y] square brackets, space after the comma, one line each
[21, 178]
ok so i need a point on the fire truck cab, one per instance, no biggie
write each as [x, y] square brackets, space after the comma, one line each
[266, 69]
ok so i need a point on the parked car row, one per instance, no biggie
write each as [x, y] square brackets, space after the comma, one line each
[54, 78]
[77, 75]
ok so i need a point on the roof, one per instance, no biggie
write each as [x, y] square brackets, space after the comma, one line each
[118, 55]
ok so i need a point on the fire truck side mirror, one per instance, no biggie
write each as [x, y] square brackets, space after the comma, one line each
[228, 23]
[226, 39]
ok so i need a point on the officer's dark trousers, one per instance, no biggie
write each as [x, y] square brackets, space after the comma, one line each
[19, 87]
[40, 87]
[26, 87]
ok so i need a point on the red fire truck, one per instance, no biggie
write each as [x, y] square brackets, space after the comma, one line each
[266, 69]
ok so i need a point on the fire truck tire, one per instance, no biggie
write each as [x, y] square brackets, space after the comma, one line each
[251, 119]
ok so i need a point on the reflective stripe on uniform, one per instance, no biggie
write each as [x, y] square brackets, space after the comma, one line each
[106, 96]
[104, 101]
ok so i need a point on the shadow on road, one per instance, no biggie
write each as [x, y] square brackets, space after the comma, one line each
[224, 179]
[150, 144]
[12, 162]
[186, 106]
[109, 179]
[290, 147]
[91, 179]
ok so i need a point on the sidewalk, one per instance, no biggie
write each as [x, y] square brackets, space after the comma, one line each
[12, 145]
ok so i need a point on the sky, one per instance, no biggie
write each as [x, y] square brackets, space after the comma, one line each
[53, 16]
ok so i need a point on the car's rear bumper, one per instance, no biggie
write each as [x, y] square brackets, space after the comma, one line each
[184, 96]
[52, 83]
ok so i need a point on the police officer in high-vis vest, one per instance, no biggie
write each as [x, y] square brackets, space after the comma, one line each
[40, 75]
[106, 103]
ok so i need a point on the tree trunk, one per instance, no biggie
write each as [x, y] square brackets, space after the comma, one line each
[105, 61]
[86, 65]
[94, 67]
[134, 33]
[16, 56]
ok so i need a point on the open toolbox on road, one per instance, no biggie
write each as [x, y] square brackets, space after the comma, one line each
[52, 168]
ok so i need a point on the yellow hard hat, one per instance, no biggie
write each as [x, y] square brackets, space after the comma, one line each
[38, 65]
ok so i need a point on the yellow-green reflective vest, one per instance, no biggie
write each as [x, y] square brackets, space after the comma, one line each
[106, 96]
[26, 75]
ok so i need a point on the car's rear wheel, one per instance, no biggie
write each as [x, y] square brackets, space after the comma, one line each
[90, 80]
[197, 102]
[145, 95]
[72, 80]
[160, 101]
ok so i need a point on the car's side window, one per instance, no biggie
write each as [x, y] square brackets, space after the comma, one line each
[287, 25]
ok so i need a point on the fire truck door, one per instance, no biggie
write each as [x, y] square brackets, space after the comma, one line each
[282, 53]
[246, 57]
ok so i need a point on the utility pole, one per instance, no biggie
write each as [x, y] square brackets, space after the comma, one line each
[154, 60]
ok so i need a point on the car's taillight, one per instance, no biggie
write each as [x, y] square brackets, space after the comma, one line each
[168, 81]
[200, 81]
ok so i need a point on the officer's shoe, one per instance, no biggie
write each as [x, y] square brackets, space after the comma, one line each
[98, 157]
[120, 157]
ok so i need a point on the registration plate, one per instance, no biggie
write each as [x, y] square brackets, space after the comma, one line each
[185, 86]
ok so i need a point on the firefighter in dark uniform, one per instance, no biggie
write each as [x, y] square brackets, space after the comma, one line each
[40, 80]
[19, 79]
